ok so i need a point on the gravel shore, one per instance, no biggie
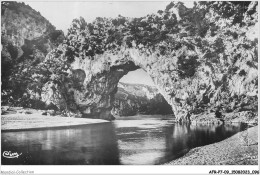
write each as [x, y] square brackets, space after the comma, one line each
[34, 120]
[240, 149]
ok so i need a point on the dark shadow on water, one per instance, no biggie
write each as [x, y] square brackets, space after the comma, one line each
[92, 144]
[185, 137]
[150, 141]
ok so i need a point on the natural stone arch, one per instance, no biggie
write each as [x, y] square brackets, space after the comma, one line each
[192, 59]
[96, 99]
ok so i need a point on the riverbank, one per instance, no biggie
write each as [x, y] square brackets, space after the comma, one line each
[17, 119]
[240, 149]
[145, 116]
[232, 117]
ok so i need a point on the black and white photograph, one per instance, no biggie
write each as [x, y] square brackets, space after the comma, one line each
[120, 83]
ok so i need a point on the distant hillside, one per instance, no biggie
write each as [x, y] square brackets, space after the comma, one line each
[132, 99]
[20, 22]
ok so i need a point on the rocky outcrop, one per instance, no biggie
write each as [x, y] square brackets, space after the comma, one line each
[26, 38]
[200, 59]
[133, 99]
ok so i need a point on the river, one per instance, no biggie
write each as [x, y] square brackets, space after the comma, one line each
[147, 140]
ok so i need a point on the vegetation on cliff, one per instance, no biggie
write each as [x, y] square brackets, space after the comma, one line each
[202, 59]
[26, 38]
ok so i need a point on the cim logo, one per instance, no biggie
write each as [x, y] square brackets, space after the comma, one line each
[10, 155]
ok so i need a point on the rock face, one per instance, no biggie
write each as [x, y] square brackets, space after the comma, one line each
[202, 59]
[27, 37]
[132, 99]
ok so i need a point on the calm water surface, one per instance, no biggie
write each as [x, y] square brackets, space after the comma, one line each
[133, 140]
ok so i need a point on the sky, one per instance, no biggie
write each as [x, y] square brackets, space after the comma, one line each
[138, 76]
[61, 14]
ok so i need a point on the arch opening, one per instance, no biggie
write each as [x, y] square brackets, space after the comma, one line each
[107, 94]
[137, 94]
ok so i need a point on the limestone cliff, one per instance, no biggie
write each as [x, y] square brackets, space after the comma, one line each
[201, 59]
[133, 99]
[26, 38]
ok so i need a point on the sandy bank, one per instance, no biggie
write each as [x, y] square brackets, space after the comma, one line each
[35, 120]
[240, 149]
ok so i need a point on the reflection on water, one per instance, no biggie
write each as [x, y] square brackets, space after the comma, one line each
[134, 140]
[155, 141]
[94, 144]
